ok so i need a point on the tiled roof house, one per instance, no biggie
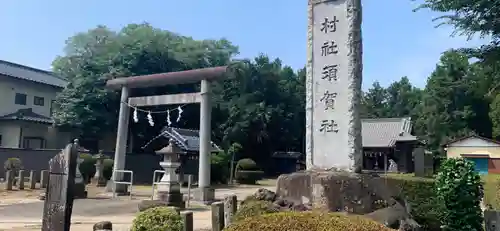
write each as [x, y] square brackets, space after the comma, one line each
[27, 99]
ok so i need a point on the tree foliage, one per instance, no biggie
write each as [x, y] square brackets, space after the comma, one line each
[260, 105]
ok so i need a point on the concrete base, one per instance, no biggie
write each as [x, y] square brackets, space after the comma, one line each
[121, 189]
[205, 195]
[175, 199]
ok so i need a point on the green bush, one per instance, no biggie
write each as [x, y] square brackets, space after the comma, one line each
[459, 187]
[420, 193]
[107, 170]
[248, 177]
[247, 172]
[306, 221]
[13, 164]
[158, 219]
[252, 208]
[219, 165]
[87, 167]
[246, 164]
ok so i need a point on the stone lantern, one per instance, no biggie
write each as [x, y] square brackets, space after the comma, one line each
[98, 179]
[169, 189]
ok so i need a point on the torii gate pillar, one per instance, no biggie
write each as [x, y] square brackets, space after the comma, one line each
[205, 193]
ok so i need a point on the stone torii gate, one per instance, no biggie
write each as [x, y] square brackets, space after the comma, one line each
[205, 76]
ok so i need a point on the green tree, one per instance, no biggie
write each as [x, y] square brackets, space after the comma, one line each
[447, 101]
[374, 102]
[93, 57]
[403, 99]
[264, 105]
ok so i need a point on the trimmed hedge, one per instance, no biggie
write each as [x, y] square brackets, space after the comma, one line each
[248, 177]
[158, 219]
[254, 207]
[420, 193]
[87, 167]
[246, 164]
[306, 221]
[247, 172]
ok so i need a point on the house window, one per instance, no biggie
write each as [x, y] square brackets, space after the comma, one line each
[33, 142]
[20, 99]
[53, 106]
[39, 101]
[0, 140]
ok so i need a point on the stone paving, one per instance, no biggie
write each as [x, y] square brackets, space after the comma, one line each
[25, 214]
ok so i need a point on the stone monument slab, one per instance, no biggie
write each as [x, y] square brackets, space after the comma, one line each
[333, 83]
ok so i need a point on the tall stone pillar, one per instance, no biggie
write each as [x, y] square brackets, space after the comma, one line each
[333, 85]
[169, 189]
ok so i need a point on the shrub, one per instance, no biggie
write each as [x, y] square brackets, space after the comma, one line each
[219, 165]
[13, 164]
[158, 219]
[248, 177]
[247, 172]
[420, 193]
[459, 187]
[254, 207]
[310, 221]
[107, 170]
[87, 167]
[246, 164]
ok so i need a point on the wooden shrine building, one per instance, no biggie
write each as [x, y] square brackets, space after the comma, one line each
[189, 142]
[386, 139]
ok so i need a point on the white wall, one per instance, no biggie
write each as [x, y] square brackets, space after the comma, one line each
[10, 86]
[10, 134]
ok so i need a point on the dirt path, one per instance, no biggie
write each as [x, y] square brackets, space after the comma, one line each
[24, 214]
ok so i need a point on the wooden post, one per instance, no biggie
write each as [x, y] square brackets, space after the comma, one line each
[59, 193]
[217, 216]
[32, 179]
[230, 206]
[20, 185]
[187, 220]
[190, 181]
[44, 178]
[9, 180]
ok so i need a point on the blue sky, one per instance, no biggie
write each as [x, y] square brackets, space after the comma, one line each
[397, 41]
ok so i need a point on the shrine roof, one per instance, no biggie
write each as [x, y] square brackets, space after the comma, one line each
[186, 139]
[386, 132]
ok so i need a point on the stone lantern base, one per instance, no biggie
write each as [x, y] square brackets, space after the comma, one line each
[171, 198]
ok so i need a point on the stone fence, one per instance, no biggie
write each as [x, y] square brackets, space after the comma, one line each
[37, 160]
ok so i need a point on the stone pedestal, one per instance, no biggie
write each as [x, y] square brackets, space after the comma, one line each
[205, 195]
[168, 189]
[98, 179]
[79, 189]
